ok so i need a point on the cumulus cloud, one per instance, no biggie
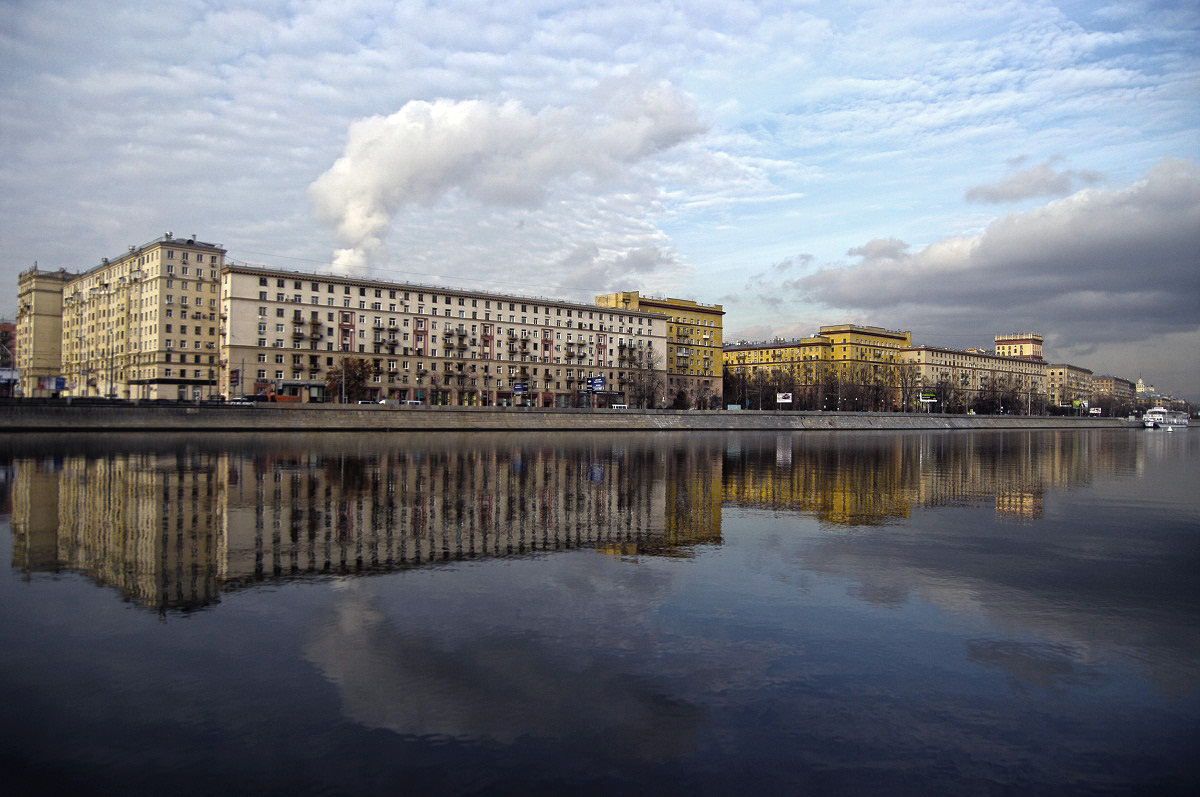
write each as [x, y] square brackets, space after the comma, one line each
[492, 154]
[1037, 181]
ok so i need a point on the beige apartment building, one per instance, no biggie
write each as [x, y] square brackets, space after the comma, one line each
[171, 319]
[39, 331]
[694, 345]
[960, 379]
[1117, 392]
[1022, 345]
[1068, 385]
[142, 325]
[283, 332]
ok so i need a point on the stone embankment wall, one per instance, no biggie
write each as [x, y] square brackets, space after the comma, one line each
[63, 416]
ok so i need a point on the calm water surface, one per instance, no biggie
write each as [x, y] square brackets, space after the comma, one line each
[841, 613]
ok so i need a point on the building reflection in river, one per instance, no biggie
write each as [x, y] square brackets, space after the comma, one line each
[173, 523]
[866, 479]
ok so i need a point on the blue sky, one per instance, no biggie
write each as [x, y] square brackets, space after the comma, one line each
[955, 168]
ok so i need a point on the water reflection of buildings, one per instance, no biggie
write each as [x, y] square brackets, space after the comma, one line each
[174, 524]
[849, 479]
[173, 529]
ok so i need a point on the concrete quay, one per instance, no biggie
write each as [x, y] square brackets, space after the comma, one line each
[66, 416]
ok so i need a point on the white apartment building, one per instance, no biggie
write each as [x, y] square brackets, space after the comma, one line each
[283, 332]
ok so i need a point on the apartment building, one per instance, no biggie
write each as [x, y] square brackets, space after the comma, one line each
[39, 331]
[777, 357]
[1068, 385]
[1022, 345]
[842, 347]
[694, 344]
[1113, 391]
[973, 377]
[142, 325]
[8, 359]
[283, 332]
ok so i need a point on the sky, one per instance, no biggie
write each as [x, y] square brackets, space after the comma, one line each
[957, 168]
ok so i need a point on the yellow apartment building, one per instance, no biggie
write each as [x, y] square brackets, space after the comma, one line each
[838, 345]
[694, 344]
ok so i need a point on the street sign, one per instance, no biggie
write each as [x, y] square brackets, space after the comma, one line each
[928, 397]
[520, 388]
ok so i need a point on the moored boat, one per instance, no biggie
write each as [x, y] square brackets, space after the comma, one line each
[1163, 418]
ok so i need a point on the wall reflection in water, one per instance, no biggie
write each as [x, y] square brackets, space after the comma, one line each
[869, 479]
[172, 522]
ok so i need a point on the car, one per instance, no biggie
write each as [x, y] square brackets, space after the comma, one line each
[367, 401]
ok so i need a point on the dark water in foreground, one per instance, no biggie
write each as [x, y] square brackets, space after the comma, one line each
[843, 613]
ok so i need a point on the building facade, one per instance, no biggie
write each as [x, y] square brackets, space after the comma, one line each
[284, 332]
[694, 345]
[1022, 345]
[39, 332]
[842, 346]
[956, 380]
[1068, 385]
[1114, 392]
[843, 366]
[139, 326]
[8, 359]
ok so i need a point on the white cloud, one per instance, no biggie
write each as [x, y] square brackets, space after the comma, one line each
[497, 155]
[823, 126]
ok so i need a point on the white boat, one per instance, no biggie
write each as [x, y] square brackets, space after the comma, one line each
[1163, 418]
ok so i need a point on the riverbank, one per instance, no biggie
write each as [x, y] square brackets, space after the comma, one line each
[64, 416]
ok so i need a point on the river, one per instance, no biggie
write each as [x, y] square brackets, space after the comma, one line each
[967, 612]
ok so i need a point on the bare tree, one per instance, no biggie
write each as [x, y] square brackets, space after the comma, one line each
[907, 379]
[645, 382]
[349, 380]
